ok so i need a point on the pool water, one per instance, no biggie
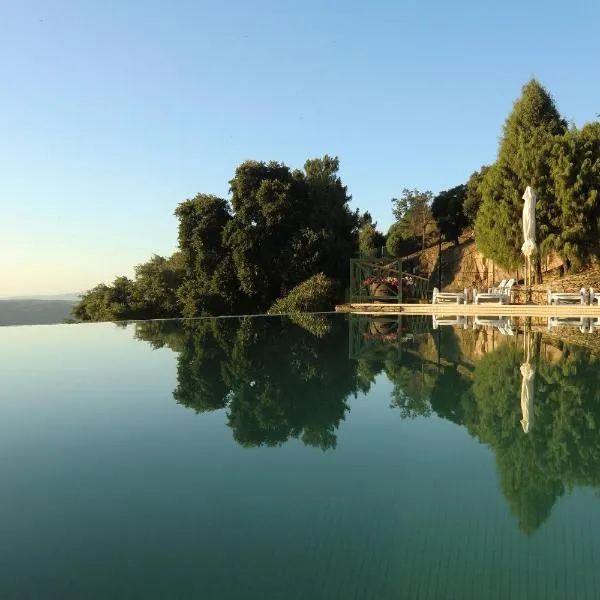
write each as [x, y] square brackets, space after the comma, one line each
[324, 457]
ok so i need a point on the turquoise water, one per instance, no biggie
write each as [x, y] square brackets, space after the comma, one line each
[332, 458]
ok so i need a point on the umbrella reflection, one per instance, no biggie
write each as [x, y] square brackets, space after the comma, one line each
[527, 386]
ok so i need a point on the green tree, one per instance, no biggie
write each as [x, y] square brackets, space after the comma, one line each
[447, 210]
[576, 173]
[156, 284]
[413, 214]
[288, 226]
[108, 302]
[210, 284]
[282, 228]
[473, 196]
[370, 241]
[331, 219]
[397, 244]
[523, 159]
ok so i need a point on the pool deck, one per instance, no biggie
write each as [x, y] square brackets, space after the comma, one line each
[488, 309]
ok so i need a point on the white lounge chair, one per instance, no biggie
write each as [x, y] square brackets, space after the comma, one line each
[451, 297]
[582, 323]
[502, 295]
[580, 297]
[456, 321]
[594, 296]
[502, 324]
[498, 287]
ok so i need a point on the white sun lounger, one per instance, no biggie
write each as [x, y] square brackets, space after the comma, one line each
[457, 321]
[498, 287]
[582, 323]
[580, 297]
[502, 324]
[594, 296]
[501, 295]
[452, 297]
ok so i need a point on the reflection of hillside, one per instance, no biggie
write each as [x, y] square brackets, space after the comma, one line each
[473, 378]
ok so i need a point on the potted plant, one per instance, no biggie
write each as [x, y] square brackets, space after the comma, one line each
[384, 289]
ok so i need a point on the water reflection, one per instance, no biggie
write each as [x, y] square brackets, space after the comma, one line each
[277, 379]
[532, 399]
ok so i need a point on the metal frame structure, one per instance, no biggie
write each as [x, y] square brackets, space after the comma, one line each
[363, 268]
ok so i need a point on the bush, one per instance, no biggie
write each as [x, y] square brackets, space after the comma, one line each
[313, 295]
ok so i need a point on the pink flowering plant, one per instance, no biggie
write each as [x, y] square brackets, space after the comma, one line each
[392, 282]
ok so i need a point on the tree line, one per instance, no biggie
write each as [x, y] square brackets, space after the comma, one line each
[283, 231]
[537, 148]
[282, 226]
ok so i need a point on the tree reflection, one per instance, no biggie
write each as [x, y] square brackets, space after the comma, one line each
[277, 379]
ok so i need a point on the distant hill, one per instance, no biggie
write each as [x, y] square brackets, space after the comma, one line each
[34, 312]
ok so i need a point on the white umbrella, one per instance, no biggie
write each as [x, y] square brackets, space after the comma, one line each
[529, 246]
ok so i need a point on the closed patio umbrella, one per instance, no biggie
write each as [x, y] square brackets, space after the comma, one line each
[529, 246]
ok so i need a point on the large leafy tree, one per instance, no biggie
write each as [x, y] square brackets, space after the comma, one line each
[523, 159]
[288, 225]
[447, 209]
[108, 302]
[156, 284]
[269, 239]
[331, 219]
[210, 284]
[413, 214]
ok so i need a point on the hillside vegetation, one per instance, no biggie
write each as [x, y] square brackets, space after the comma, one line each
[282, 226]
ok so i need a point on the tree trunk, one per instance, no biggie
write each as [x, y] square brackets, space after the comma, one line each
[538, 268]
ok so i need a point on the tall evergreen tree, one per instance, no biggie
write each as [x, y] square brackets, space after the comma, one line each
[473, 198]
[523, 159]
[576, 175]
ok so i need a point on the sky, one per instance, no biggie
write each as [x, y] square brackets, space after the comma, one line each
[113, 112]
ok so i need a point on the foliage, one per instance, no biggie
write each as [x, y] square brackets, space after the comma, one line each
[288, 225]
[156, 285]
[275, 380]
[282, 228]
[397, 244]
[313, 295]
[152, 295]
[523, 159]
[575, 164]
[473, 197]
[447, 209]
[107, 302]
[210, 283]
[412, 212]
[370, 241]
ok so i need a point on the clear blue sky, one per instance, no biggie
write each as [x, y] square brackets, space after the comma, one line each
[112, 112]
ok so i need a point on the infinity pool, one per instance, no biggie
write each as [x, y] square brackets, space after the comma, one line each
[328, 457]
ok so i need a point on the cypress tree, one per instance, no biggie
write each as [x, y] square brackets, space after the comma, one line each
[523, 159]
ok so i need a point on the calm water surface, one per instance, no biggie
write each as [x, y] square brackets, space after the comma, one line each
[331, 457]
